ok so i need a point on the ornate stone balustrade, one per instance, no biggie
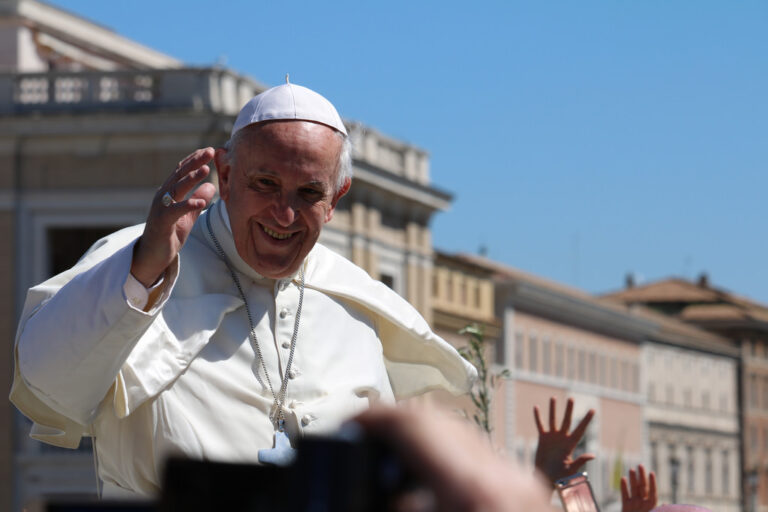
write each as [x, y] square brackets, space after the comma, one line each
[212, 89]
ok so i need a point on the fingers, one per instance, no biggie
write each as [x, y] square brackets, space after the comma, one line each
[567, 416]
[580, 461]
[552, 414]
[202, 196]
[642, 482]
[537, 417]
[633, 487]
[624, 492]
[186, 167]
[578, 432]
[653, 495]
[184, 185]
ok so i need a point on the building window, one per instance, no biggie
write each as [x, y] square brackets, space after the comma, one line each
[687, 397]
[582, 365]
[533, 353]
[614, 373]
[635, 378]
[651, 392]
[571, 363]
[705, 400]
[592, 368]
[546, 356]
[625, 376]
[708, 470]
[559, 360]
[519, 350]
[753, 390]
[602, 377]
[67, 244]
[765, 393]
[765, 440]
[655, 458]
[478, 297]
[753, 437]
[670, 394]
[388, 280]
[725, 490]
[690, 472]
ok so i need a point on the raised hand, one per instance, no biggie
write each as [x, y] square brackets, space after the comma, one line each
[554, 454]
[639, 495]
[168, 226]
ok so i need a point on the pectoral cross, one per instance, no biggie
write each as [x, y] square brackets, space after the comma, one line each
[281, 454]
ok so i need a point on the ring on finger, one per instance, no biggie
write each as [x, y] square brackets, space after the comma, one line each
[167, 200]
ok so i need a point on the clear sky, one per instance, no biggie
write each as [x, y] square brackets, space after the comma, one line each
[582, 140]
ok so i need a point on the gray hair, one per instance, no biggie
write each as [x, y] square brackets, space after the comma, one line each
[343, 170]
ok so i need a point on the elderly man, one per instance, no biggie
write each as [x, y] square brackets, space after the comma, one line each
[227, 333]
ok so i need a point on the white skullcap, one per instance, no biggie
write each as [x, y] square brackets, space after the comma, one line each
[289, 101]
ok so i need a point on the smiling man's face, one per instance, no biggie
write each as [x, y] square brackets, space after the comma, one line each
[278, 182]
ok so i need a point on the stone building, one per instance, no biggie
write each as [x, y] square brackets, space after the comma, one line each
[745, 323]
[691, 413]
[90, 124]
[664, 391]
[563, 343]
[463, 294]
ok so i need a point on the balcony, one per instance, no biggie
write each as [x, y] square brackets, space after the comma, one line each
[200, 89]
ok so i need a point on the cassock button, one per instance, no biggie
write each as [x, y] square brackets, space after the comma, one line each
[284, 312]
[306, 420]
[286, 344]
[292, 374]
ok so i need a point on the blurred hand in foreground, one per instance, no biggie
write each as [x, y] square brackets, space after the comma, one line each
[554, 453]
[455, 462]
[639, 494]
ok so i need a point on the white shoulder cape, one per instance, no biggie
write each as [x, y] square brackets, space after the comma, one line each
[417, 360]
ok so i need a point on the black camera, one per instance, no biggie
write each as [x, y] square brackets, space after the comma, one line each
[342, 473]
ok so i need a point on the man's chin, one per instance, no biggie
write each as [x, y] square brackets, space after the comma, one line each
[274, 269]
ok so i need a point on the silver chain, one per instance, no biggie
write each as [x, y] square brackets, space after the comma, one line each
[277, 417]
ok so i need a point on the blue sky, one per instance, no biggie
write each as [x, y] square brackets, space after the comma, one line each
[582, 140]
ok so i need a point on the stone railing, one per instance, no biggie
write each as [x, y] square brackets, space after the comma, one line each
[389, 154]
[200, 89]
[213, 89]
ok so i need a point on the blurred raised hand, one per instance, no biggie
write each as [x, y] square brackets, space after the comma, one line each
[639, 493]
[554, 454]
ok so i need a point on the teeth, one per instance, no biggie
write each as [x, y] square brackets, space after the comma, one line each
[275, 234]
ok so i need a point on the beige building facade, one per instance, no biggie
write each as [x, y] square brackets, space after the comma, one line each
[91, 123]
[744, 323]
[563, 343]
[692, 413]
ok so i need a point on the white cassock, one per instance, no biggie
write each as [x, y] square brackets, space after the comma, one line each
[184, 377]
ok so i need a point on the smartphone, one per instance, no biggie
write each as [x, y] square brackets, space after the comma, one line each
[576, 494]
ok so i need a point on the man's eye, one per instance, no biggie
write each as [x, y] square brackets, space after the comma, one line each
[266, 182]
[311, 193]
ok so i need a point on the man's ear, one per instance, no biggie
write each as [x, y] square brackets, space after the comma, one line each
[222, 160]
[338, 195]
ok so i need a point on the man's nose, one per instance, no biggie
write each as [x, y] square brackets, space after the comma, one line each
[285, 209]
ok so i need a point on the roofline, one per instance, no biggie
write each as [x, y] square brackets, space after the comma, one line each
[90, 34]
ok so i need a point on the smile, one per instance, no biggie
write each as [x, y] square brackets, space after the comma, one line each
[275, 234]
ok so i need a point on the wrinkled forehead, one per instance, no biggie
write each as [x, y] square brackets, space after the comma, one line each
[299, 135]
